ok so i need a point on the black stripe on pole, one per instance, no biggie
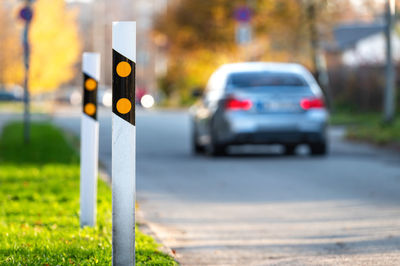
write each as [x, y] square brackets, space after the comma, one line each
[90, 96]
[123, 87]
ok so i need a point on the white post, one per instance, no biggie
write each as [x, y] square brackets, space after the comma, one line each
[89, 139]
[123, 143]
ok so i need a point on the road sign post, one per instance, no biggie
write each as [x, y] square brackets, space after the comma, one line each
[243, 32]
[26, 15]
[89, 139]
[123, 143]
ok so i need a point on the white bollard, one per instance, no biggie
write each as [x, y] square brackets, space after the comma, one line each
[123, 143]
[89, 139]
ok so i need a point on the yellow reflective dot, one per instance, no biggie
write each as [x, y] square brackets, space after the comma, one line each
[90, 108]
[90, 84]
[123, 69]
[124, 105]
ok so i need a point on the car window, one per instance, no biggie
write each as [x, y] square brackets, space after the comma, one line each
[267, 81]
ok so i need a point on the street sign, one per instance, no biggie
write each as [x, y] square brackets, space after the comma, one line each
[26, 13]
[243, 33]
[243, 14]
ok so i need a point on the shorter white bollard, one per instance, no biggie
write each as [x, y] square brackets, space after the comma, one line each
[89, 140]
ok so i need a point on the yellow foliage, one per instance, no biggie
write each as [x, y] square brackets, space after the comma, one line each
[55, 45]
[205, 64]
[11, 71]
[198, 42]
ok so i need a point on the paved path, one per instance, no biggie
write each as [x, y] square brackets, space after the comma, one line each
[262, 208]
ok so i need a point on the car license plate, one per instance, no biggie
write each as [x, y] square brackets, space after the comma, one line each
[279, 106]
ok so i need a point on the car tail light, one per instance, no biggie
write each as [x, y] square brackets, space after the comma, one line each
[236, 104]
[312, 103]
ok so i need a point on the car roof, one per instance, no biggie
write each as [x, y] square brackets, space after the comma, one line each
[262, 66]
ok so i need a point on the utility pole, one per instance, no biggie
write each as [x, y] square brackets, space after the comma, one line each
[26, 14]
[311, 13]
[317, 57]
[390, 89]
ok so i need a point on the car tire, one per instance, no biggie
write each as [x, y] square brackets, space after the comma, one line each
[214, 148]
[196, 147]
[318, 148]
[289, 149]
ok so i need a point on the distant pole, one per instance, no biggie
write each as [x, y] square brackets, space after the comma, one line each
[311, 16]
[89, 139]
[123, 143]
[26, 14]
[317, 56]
[390, 93]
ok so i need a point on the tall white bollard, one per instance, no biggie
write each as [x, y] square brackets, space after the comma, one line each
[89, 139]
[123, 143]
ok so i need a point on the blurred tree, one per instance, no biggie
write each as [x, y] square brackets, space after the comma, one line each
[201, 36]
[55, 45]
[11, 71]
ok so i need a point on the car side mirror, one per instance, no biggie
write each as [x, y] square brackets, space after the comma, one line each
[197, 92]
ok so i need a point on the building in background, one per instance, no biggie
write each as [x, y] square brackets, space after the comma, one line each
[360, 44]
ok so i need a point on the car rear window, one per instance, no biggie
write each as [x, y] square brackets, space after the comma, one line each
[265, 79]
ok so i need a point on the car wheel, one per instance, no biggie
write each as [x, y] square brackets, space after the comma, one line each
[318, 148]
[289, 149]
[214, 148]
[196, 147]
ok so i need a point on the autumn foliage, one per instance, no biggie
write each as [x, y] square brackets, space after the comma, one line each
[55, 45]
[201, 36]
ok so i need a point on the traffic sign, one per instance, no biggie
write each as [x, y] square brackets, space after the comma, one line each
[26, 13]
[243, 33]
[243, 14]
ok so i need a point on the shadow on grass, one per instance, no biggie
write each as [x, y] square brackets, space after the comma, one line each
[45, 141]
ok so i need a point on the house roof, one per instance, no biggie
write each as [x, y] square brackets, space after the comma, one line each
[347, 35]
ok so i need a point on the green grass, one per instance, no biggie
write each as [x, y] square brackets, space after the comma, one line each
[39, 199]
[353, 118]
[368, 127]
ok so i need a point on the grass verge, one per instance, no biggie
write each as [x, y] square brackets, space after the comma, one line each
[39, 198]
[368, 127]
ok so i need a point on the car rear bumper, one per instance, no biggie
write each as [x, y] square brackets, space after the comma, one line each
[270, 129]
[277, 138]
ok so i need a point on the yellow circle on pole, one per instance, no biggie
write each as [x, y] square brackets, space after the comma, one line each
[90, 84]
[124, 105]
[123, 69]
[90, 109]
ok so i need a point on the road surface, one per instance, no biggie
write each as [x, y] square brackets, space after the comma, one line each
[260, 207]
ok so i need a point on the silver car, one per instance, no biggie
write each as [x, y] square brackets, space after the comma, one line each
[260, 103]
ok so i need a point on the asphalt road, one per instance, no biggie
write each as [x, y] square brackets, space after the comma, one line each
[259, 207]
